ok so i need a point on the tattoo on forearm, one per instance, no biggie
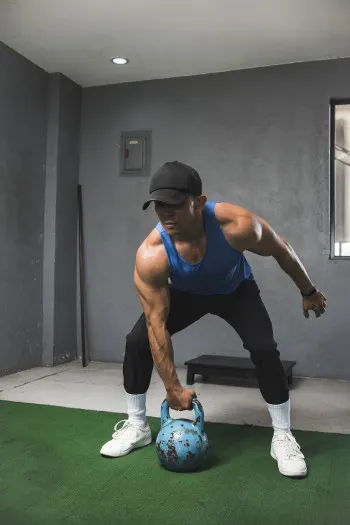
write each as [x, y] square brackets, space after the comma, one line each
[162, 356]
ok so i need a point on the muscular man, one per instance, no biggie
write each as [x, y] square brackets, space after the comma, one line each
[193, 264]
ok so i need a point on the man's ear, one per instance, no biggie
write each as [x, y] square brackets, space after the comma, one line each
[201, 202]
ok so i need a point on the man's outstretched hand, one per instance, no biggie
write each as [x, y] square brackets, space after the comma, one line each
[317, 303]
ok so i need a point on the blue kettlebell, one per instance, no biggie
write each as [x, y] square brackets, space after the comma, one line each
[182, 445]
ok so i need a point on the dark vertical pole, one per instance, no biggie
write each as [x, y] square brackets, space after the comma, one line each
[82, 279]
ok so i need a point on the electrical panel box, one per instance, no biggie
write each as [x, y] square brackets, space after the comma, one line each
[135, 153]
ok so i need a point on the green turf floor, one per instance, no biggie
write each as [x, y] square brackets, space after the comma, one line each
[51, 473]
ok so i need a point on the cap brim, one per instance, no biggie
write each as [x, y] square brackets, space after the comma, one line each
[173, 197]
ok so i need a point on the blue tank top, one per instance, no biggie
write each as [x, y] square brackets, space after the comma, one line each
[222, 268]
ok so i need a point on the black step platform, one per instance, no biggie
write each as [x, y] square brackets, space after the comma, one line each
[236, 368]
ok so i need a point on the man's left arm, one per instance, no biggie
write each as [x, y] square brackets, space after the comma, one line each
[255, 235]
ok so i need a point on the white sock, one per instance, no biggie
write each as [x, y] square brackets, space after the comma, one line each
[136, 408]
[280, 416]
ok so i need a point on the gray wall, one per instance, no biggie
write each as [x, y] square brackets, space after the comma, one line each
[22, 193]
[260, 139]
[39, 139]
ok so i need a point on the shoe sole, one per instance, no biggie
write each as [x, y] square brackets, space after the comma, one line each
[288, 474]
[127, 451]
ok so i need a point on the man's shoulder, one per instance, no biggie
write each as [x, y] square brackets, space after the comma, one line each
[152, 243]
[238, 224]
[225, 212]
[151, 258]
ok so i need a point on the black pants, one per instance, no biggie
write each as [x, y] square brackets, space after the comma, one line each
[243, 309]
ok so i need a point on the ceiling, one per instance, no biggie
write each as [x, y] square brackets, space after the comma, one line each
[172, 38]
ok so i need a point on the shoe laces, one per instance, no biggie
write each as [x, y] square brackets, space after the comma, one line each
[126, 427]
[288, 444]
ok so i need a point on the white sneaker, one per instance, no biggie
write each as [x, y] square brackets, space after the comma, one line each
[286, 451]
[125, 439]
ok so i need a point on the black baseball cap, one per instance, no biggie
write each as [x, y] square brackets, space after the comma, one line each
[173, 183]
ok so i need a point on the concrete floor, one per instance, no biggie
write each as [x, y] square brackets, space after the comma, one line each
[319, 405]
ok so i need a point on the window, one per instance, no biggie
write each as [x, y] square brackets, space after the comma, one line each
[340, 179]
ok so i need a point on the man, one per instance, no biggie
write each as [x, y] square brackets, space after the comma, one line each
[193, 264]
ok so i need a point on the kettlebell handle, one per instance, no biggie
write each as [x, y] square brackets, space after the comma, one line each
[198, 410]
[164, 413]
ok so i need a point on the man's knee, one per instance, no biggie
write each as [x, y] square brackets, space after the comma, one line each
[137, 349]
[264, 355]
[136, 341]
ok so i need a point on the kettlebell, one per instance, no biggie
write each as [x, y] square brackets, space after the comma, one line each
[181, 444]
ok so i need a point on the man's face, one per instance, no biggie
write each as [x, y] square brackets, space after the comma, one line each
[179, 219]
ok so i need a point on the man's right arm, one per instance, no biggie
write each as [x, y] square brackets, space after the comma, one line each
[151, 282]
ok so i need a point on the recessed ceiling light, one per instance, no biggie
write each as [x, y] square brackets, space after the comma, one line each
[120, 61]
